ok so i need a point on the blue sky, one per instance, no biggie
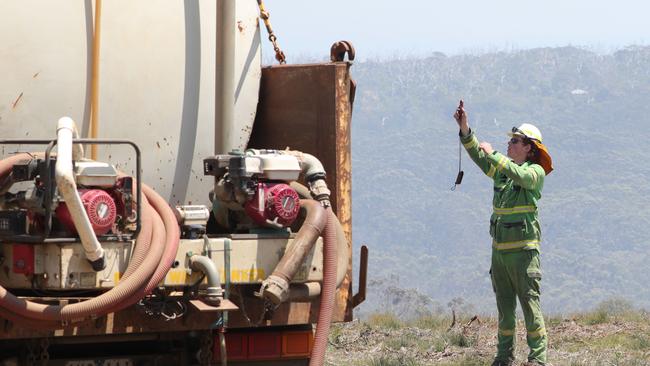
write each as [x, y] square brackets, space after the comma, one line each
[388, 29]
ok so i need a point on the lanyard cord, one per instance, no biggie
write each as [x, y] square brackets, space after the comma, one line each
[459, 177]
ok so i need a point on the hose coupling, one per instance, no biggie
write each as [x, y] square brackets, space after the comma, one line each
[214, 295]
[320, 192]
[275, 289]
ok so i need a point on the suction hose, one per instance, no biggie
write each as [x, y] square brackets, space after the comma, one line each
[326, 309]
[159, 236]
[276, 287]
[336, 259]
[342, 250]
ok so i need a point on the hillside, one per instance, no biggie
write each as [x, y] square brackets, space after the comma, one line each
[594, 113]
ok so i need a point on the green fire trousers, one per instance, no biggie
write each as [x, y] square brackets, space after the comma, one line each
[517, 275]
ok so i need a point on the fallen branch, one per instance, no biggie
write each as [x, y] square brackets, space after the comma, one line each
[474, 318]
[453, 319]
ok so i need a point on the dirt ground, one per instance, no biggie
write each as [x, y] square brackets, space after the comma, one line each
[571, 342]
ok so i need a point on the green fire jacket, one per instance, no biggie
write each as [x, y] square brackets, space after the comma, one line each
[514, 224]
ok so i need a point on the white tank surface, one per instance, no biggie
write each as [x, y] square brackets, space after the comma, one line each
[156, 81]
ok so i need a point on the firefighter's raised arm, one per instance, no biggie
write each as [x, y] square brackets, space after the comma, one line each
[461, 118]
[470, 142]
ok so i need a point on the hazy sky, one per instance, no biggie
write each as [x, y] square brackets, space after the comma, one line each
[381, 29]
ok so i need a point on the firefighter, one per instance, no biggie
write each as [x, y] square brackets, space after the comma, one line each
[515, 231]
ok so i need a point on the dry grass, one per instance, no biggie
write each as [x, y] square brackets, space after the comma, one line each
[611, 334]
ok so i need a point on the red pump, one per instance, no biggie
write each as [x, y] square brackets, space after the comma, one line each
[99, 206]
[274, 203]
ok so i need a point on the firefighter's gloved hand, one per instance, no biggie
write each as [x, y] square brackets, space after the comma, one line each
[461, 118]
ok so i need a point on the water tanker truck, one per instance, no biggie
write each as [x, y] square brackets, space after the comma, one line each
[165, 199]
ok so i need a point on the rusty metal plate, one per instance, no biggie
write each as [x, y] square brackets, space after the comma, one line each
[309, 108]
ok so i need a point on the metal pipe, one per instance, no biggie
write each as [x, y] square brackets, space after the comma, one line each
[224, 140]
[222, 345]
[304, 291]
[207, 266]
[66, 183]
[94, 104]
[360, 296]
[226, 264]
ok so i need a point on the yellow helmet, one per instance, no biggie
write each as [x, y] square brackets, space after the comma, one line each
[527, 130]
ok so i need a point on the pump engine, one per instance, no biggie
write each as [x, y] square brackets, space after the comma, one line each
[31, 208]
[256, 183]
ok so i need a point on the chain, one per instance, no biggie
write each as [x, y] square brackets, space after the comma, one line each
[45, 355]
[206, 349]
[269, 310]
[37, 352]
[279, 55]
[31, 353]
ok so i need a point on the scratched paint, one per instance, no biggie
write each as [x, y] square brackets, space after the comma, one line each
[15, 103]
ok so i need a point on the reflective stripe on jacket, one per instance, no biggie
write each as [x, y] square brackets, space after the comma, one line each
[514, 224]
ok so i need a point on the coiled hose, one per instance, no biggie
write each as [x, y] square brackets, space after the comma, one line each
[158, 238]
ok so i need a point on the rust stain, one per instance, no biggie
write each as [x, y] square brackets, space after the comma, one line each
[15, 103]
[323, 115]
[158, 144]
[240, 26]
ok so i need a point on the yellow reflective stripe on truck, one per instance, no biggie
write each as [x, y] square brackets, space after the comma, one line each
[514, 210]
[527, 244]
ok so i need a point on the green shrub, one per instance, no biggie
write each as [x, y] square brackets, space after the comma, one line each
[553, 320]
[632, 342]
[335, 333]
[439, 343]
[456, 337]
[385, 320]
[597, 316]
[616, 306]
[433, 321]
[640, 342]
[610, 309]
[411, 341]
[398, 342]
